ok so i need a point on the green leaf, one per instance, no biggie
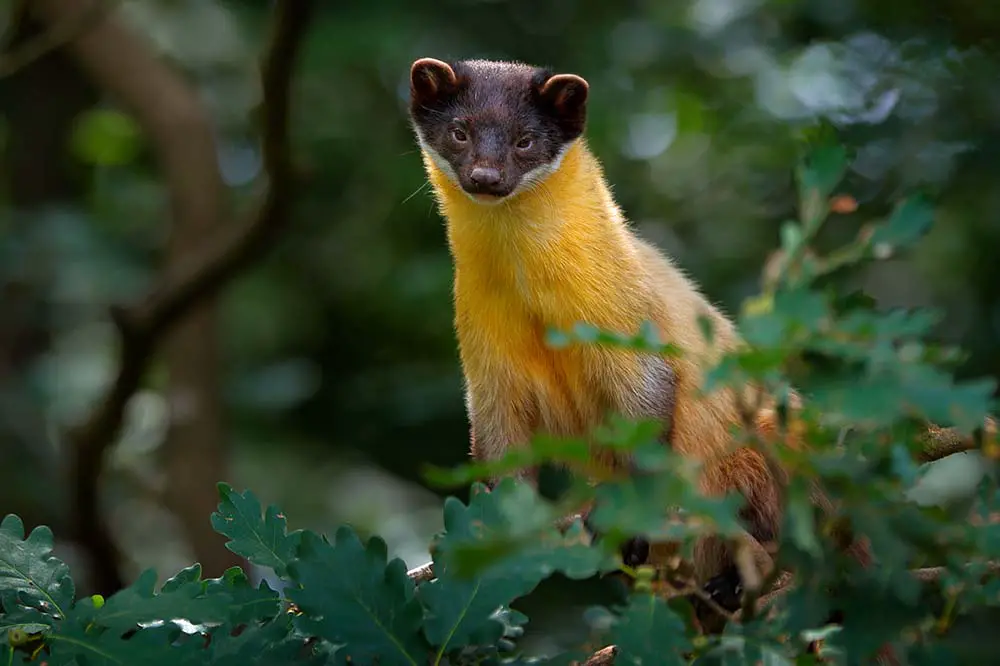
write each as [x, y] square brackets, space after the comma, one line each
[800, 517]
[971, 639]
[106, 137]
[646, 339]
[624, 434]
[513, 528]
[155, 646]
[262, 540]
[557, 339]
[542, 448]
[707, 328]
[823, 169]
[737, 649]
[650, 632]
[803, 308]
[458, 610]
[797, 314]
[273, 643]
[903, 465]
[891, 390]
[791, 236]
[871, 617]
[351, 596]
[908, 223]
[666, 506]
[461, 608]
[185, 596]
[940, 399]
[952, 480]
[247, 603]
[584, 332]
[34, 585]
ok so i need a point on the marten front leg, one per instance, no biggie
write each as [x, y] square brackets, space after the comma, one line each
[745, 471]
[643, 386]
[498, 424]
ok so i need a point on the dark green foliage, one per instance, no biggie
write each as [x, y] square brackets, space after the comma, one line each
[504, 548]
[648, 631]
[263, 541]
[351, 596]
[869, 379]
[32, 580]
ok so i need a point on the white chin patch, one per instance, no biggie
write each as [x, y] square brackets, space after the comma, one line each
[538, 175]
[488, 200]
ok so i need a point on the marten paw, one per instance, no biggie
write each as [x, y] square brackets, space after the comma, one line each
[726, 589]
[635, 552]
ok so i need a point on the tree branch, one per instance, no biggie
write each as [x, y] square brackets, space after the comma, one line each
[126, 68]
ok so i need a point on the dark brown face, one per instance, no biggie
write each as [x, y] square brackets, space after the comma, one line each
[495, 126]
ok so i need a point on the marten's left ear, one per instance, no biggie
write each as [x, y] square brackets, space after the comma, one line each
[564, 96]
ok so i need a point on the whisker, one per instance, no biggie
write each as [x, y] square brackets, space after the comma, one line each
[417, 191]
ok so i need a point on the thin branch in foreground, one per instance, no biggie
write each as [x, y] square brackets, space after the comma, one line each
[142, 326]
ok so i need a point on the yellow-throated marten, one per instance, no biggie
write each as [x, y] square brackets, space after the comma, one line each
[538, 242]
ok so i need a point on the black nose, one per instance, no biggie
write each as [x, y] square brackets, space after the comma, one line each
[485, 177]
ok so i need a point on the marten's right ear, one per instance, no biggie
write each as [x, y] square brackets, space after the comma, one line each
[430, 80]
[564, 96]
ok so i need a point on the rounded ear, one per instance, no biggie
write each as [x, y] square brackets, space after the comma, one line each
[430, 78]
[565, 94]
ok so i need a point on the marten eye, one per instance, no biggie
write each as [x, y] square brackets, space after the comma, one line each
[459, 135]
[524, 143]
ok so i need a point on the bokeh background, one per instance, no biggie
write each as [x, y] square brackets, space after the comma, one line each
[325, 376]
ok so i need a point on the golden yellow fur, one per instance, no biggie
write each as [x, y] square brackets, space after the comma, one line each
[553, 256]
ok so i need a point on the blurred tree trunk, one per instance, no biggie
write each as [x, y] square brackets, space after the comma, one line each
[195, 451]
[126, 68]
[39, 102]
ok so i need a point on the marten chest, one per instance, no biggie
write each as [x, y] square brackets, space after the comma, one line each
[569, 390]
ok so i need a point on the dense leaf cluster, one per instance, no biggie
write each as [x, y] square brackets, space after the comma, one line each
[870, 380]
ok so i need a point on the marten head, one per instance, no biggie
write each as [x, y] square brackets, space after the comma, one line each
[495, 128]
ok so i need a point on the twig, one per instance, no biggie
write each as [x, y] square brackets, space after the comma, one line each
[603, 657]
[143, 325]
[43, 43]
[422, 573]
